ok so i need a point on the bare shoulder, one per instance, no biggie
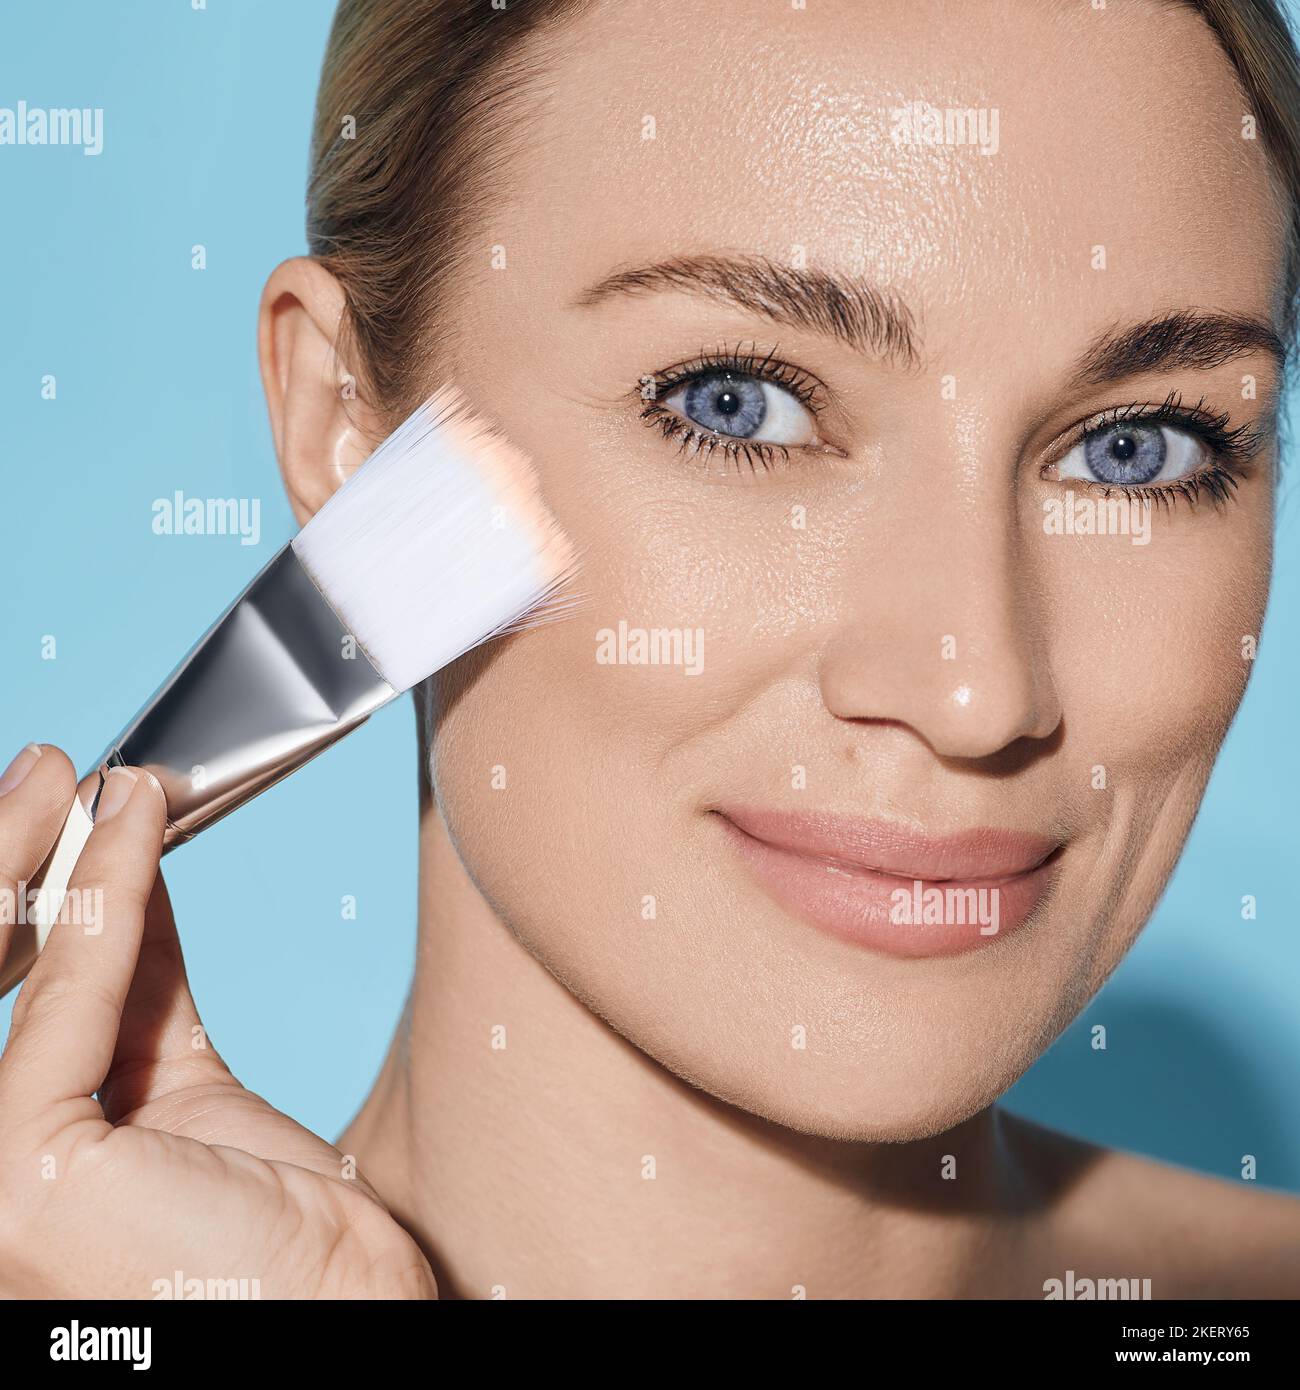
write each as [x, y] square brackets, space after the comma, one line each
[1120, 1215]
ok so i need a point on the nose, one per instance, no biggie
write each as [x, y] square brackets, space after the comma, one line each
[947, 635]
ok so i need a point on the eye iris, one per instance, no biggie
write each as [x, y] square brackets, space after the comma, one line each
[1126, 453]
[726, 403]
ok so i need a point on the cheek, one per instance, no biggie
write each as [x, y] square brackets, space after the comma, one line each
[685, 612]
[1151, 645]
[571, 760]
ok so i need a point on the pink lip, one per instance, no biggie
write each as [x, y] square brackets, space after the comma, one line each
[891, 889]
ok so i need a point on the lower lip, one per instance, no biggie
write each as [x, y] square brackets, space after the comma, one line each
[860, 905]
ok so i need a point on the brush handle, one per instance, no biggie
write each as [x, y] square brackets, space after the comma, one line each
[48, 887]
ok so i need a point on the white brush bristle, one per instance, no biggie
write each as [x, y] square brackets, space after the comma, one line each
[438, 542]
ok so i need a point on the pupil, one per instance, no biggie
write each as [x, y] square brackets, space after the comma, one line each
[1124, 447]
[726, 403]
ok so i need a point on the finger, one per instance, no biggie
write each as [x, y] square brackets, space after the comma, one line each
[161, 1044]
[65, 1020]
[36, 790]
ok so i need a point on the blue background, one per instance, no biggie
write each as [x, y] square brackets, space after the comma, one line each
[207, 115]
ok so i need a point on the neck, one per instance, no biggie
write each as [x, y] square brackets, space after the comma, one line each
[535, 1153]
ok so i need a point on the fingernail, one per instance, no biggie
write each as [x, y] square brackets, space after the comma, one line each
[19, 768]
[116, 792]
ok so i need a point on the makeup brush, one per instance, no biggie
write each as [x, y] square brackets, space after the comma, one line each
[438, 543]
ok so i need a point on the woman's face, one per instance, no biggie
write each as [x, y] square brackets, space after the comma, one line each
[834, 449]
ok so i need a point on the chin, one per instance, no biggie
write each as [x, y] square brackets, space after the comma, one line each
[912, 1109]
[863, 1094]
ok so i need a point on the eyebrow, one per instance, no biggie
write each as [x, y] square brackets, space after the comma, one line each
[865, 318]
[1191, 338]
[879, 323]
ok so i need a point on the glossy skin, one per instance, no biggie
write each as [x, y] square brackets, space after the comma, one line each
[824, 646]
[524, 1168]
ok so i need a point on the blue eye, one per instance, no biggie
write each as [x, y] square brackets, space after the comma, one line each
[744, 407]
[1131, 454]
[727, 404]
[1126, 454]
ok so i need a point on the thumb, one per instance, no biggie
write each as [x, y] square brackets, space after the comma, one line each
[166, 1075]
[161, 1044]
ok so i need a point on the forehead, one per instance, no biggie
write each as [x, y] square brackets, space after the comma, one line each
[836, 131]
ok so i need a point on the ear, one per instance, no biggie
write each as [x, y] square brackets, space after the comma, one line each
[322, 431]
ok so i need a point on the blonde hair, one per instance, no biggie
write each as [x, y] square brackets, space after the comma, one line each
[415, 123]
[1260, 46]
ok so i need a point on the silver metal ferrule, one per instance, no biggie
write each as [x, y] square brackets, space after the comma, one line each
[275, 680]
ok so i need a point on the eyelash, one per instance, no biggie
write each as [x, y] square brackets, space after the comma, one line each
[1231, 448]
[754, 455]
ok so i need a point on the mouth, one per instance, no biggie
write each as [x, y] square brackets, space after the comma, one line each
[892, 889]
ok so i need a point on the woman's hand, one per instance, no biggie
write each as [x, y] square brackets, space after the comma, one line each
[128, 1152]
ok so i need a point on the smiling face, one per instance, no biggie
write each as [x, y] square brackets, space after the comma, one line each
[827, 396]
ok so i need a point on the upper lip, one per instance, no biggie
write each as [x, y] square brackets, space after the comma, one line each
[980, 854]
